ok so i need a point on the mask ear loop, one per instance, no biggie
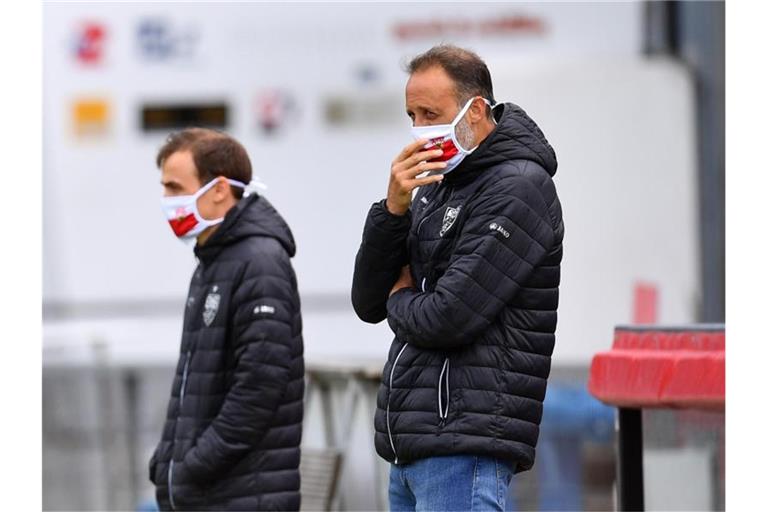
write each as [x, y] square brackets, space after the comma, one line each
[249, 188]
[208, 186]
[255, 182]
[462, 113]
[195, 211]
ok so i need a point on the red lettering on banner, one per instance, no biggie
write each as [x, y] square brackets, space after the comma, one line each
[507, 25]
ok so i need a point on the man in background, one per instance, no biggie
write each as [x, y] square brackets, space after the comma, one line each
[234, 423]
[467, 275]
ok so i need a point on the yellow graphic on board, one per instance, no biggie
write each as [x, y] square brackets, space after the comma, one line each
[91, 117]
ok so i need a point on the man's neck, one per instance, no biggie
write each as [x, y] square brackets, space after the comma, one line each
[486, 129]
[206, 234]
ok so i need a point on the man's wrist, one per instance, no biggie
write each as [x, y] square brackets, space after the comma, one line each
[393, 210]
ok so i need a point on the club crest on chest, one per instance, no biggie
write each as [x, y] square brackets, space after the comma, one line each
[211, 306]
[449, 218]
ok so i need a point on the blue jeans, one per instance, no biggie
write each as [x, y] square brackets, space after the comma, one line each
[460, 482]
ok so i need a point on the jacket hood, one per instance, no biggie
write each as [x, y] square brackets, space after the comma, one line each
[516, 137]
[252, 216]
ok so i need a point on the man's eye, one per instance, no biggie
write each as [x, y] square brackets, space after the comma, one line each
[430, 115]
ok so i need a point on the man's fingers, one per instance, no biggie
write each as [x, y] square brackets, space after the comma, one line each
[410, 149]
[420, 182]
[421, 156]
[420, 159]
[423, 167]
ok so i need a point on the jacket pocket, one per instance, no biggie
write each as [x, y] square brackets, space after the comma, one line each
[389, 400]
[183, 492]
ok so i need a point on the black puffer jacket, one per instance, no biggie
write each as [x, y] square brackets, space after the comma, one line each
[232, 434]
[467, 371]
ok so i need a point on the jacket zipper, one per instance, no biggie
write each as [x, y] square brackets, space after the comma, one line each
[427, 270]
[181, 402]
[183, 389]
[389, 395]
[426, 216]
[447, 372]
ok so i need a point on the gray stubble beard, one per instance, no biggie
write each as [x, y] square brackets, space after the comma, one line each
[464, 134]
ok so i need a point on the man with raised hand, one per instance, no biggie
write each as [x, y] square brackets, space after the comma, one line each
[467, 275]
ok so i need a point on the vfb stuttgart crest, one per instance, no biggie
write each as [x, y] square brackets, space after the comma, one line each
[449, 218]
[211, 307]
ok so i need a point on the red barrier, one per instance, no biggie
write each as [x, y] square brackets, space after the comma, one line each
[651, 367]
[662, 367]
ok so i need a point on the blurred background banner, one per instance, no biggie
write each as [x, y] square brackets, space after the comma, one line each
[630, 95]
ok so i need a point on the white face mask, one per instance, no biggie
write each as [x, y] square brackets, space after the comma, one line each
[443, 136]
[183, 215]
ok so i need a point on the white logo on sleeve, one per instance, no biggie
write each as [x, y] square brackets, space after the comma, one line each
[497, 227]
[263, 308]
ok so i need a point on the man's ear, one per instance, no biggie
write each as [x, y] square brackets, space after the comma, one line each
[477, 110]
[221, 189]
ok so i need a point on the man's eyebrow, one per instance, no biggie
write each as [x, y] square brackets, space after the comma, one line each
[428, 108]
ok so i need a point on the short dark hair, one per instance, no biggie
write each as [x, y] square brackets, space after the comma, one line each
[215, 154]
[467, 70]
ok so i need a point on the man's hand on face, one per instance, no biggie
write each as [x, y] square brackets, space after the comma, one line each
[404, 281]
[402, 180]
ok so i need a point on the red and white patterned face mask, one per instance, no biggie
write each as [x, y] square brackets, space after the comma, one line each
[183, 215]
[443, 136]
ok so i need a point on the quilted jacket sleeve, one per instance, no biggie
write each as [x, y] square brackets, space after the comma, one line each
[381, 255]
[261, 342]
[506, 235]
